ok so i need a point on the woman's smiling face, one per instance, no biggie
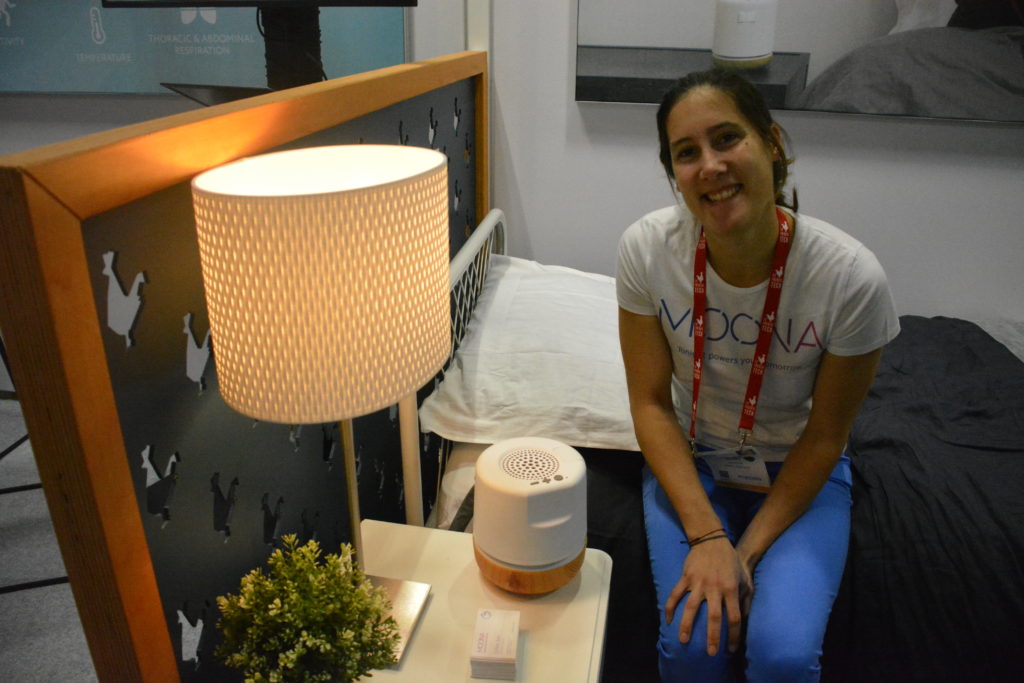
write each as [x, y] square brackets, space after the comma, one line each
[722, 166]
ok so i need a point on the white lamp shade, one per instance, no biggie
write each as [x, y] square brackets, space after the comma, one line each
[326, 278]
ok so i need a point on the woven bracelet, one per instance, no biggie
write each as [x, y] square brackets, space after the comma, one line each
[703, 537]
[707, 538]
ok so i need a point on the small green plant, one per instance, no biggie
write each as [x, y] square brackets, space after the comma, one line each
[306, 620]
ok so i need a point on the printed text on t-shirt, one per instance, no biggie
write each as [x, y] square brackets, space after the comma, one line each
[792, 335]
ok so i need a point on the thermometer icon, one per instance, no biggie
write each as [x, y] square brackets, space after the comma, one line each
[98, 35]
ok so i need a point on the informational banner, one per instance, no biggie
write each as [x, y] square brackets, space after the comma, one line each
[78, 46]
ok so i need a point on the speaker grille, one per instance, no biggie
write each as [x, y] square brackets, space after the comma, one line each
[529, 463]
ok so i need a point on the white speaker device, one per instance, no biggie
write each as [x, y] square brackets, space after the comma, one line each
[744, 33]
[530, 514]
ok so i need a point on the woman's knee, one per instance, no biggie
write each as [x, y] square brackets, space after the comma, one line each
[782, 661]
[690, 661]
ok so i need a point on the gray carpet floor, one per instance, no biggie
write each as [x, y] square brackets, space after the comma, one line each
[41, 637]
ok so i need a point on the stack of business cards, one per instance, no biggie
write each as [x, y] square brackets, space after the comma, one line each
[495, 644]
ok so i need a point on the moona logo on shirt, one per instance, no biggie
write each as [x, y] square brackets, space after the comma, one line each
[792, 335]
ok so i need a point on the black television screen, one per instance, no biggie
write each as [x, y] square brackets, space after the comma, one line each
[259, 3]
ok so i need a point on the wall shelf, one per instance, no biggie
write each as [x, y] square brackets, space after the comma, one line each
[634, 74]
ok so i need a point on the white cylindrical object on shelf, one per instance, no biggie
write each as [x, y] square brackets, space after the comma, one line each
[744, 33]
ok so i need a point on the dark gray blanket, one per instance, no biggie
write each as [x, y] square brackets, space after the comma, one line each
[934, 582]
[933, 72]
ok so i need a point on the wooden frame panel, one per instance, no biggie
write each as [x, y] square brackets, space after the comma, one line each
[53, 335]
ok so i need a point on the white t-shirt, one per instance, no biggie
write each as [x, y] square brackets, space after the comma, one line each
[835, 298]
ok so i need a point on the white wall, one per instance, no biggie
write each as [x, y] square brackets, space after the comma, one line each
[435, 28]
[29, 121]
[941, 203]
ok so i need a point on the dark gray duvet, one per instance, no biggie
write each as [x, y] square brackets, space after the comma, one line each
[934, 72]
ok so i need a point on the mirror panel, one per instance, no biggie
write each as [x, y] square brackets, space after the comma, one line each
[894, 57]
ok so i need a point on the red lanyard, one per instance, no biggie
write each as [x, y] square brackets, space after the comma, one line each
[764, 337]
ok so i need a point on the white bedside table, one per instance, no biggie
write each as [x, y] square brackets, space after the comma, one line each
[561, 636]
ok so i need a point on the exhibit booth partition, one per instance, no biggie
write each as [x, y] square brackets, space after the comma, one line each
[162, 497]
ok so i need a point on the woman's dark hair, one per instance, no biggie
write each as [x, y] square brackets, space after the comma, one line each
[750, 104]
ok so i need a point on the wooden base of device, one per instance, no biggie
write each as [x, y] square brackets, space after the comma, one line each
[739, 63]
[525, 582]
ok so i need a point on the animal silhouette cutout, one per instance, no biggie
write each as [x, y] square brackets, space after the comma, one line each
[160, 487]
[396, 481]
[456, 197]
[309, 526]
[432, 130]
[378, 473]
[122, 307]
[329, 444]
[272, 519]
[197, 356]
[223, 505]
[295, 436]
[191, 634]
[456, 117]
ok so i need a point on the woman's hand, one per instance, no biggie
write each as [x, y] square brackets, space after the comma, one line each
[713, 573]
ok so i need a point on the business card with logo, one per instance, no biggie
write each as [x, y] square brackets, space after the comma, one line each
[495, 644]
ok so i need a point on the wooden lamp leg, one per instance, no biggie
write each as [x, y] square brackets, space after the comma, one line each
[408, 425]
[348, 449]
[407, 598]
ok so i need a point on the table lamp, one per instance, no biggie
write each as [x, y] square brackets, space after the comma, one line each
[326, 279]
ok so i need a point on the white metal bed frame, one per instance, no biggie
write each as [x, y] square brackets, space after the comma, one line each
[468, 272]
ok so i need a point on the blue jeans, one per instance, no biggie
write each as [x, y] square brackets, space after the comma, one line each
[795, 583]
